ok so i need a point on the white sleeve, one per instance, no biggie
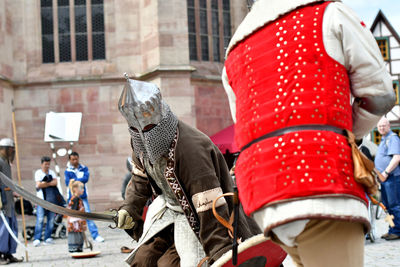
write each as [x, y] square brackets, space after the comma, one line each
[53, 174]
[59, 187]
[38, 176]
[353, 45]
[230, 94]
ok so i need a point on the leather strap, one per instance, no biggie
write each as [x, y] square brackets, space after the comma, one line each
[306, 127]
[220, 218]
[202, 261]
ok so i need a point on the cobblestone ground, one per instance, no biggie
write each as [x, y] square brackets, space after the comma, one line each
[378, 254]
[57, 254]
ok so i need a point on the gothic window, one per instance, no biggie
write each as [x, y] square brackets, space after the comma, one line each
[81, 43]
[46, 7]
[383, 43]
[72, 30]
[98, 44]
[209, 27]
[64, 30]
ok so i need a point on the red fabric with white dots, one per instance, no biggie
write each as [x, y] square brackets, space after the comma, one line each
[282, 76]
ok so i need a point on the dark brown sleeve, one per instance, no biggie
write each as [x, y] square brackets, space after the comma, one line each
[197, 178]
[138, 191]
[200, 167]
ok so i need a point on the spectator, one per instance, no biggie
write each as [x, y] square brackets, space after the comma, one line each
[292, 71]
[76, 227]
[127, 176]
[46, 188]
[78, 172]
[387, 161]
[8, 246]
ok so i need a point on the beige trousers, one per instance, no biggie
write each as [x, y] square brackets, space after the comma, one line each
[328, 243]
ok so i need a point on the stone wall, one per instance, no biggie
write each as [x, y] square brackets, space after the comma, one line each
[212, 108]
[6, 95]
[104, 140]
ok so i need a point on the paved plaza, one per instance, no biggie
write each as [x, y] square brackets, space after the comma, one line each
[378, 254]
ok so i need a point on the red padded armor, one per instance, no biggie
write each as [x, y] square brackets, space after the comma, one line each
[282, 76]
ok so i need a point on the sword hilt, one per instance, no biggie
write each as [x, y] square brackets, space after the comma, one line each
[114, 218]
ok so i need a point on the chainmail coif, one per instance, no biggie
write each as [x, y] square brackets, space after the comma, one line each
[157, 140]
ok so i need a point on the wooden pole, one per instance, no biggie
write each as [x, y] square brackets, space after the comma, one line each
[19, 176]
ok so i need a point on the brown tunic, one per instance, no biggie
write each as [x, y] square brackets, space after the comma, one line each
[199, 166]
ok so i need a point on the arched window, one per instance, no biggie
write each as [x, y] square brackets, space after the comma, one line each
[72, 30]
[209, 26]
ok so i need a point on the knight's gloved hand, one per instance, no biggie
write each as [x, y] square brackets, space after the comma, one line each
[125, 221]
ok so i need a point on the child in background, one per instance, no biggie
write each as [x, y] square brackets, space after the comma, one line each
[76, 226]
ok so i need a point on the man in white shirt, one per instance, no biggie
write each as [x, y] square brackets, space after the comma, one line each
[46, 188]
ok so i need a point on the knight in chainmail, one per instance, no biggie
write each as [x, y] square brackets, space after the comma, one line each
[184, 172]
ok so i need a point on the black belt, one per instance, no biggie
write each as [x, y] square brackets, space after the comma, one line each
[307, 127]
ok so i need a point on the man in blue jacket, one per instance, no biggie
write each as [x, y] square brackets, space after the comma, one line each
[79, 172]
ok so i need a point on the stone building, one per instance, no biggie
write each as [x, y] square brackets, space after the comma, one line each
[70, 56]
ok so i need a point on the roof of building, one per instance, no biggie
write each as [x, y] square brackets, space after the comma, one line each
[381, 17]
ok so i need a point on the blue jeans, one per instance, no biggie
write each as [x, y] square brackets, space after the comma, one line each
[390, 190]
[91, 225]
[40, 213]
[7, 243]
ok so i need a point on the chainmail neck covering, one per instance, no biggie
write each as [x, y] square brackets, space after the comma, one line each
[137, 144]
[157, 141]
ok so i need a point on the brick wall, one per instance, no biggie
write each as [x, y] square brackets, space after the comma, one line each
[6, 95]
[212, 109]
[104, 140]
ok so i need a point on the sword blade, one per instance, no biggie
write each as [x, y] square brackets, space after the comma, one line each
[106, 217]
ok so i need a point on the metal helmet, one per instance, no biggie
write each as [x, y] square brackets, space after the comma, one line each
[6, 142]
[140, 103]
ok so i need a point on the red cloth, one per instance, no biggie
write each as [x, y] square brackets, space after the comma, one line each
[224, 140]
[282, 76]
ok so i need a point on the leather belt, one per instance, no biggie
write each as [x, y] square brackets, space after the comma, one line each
[7, 189]
[306, 127]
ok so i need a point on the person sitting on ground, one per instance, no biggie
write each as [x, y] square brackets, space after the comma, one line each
[127, 176]
[76, 226]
